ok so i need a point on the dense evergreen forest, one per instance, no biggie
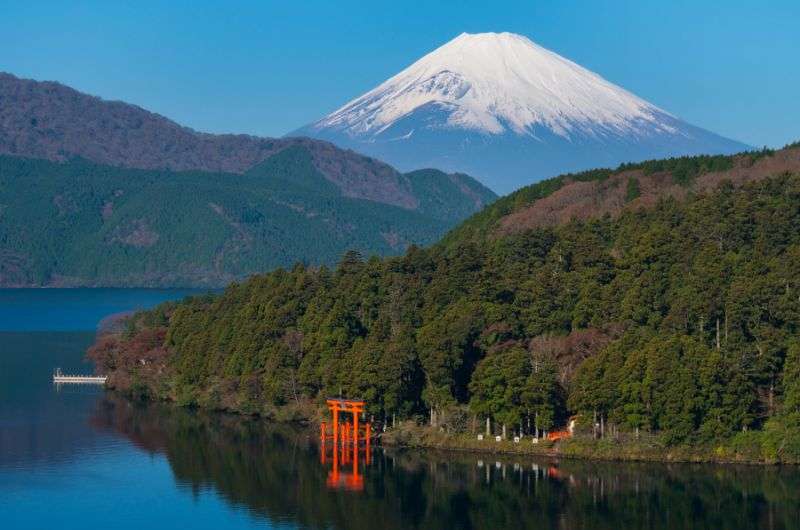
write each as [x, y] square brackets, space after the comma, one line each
[79, 223]
[679, 319]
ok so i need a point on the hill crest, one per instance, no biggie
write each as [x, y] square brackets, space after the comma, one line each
[51, 121]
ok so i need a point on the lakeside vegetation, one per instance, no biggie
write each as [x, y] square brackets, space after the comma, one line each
[676, 323]
[621, 445]
[250, 463]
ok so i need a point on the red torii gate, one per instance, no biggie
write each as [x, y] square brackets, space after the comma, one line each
[347, 406]
[345, 434]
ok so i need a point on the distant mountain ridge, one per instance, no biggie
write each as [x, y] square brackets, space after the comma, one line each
[81, 224]
[502, 108]
[98, 193]
[51, 121]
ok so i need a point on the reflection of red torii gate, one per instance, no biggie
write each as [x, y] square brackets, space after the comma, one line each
[343, 435]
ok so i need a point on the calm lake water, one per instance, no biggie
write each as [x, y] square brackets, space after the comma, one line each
[76, 457]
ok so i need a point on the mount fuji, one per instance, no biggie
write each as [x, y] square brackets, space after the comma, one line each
[510, 112]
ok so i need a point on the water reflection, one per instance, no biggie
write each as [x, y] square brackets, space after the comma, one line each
[345, 461]
[275, 472]
[347, 444]
[40, 427]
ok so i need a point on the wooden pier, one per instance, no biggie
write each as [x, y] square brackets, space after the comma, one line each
[60, 378]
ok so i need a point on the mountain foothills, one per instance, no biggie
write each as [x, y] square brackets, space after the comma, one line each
[105, 193]
[506, 110]
[660, 299]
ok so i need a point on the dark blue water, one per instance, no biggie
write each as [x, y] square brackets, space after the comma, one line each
[74, 309]
[58, 469]
[77, 457]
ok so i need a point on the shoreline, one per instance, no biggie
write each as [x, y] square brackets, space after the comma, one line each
[407, 435]
[648, 449]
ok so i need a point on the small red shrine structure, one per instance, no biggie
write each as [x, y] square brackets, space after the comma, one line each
[346, 437]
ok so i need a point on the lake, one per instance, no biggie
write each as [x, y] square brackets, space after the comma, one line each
[78, 457]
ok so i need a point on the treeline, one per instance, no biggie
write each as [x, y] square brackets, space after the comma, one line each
[678, 170]
[680, 320]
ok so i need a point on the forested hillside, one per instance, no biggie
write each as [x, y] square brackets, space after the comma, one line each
[79, 223]
[50, 121]
[676, 316]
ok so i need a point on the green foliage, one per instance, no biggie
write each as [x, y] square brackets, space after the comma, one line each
[632, 191]
[80, 223]
[682, 170]
[448, 197]
[499, 384]
[685, 168]
[791, 379]
[704, 295]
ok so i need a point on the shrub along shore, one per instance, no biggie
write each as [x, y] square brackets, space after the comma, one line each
[645, 447]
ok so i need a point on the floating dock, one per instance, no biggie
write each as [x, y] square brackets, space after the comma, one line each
[60, 378]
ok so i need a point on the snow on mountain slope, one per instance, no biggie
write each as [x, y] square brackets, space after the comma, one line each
[503, 108]
[494, 83]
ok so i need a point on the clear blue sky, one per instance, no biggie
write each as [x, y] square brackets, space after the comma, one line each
[267, 67]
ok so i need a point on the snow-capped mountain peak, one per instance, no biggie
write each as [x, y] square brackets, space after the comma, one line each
[504, 109]
[493, 83]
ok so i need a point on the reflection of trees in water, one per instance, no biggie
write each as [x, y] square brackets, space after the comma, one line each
[274, 471]
[39, 426]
